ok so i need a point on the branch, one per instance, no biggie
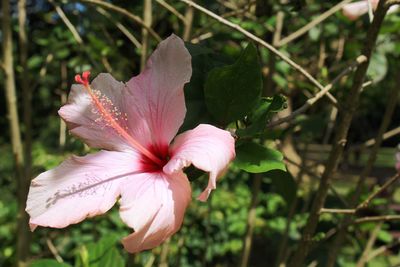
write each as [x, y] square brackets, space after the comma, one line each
[307, 171]
[312, 24]
[366, 202]
[377, 219]
[372, 141]
[392, 2]
[319, 95]
[388, 183]
[172, 10]
[263, 43]
[67, 22]
[370, 243]
[126, 13]
[54, 250]
[121, 27]
[147, 19]
[339, 211]
[335, 155]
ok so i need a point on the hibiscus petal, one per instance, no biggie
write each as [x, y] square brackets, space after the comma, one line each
[153, 204]
[78, 188]
[85, 121]
[354, 10]
[156, 95]
[206, 147]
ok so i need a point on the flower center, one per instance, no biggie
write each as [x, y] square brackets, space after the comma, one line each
[162, 153]
[108, 112]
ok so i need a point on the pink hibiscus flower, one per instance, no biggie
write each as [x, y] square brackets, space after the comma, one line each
[356, 9]
[134, 123]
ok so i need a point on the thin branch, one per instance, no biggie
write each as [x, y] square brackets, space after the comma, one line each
[313, 23]
[366, 202]
[22, 251]
[121, 27]
[350, 107]
[307, 171]
[147, 18]
[381, 250]
[251, 219]
[392, 2]
[387, 184]
[126, 13]
[390, 107]
[53, 250]
[67, 22]
[377, 219]
[189, 14]
[200, 35]
[172, 10]
[372, 141]
[370, 243]
[263, 43]
[337, 211]
[319, 95]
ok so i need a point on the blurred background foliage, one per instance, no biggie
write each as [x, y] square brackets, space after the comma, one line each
[213, 233]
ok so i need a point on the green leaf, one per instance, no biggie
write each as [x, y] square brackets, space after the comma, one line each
[261, 114]
[34, 62]
[283, 184]
[378, 67]
[385, 236]
[255, 158]
[48, 263]
[232, 91]
[104, 253]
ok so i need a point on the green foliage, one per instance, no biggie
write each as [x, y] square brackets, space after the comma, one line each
[283, 184]
[258, 118]
[101, 253]
[225, 90]
[232, 91]
[255, 158]
[48, 263]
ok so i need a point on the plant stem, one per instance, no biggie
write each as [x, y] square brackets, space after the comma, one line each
[340, 140]
[126, 13]
[15, 134]
[24, 234]
[147, 18]
[371, 241]
[311, 101]
[392, 101]
[251, 218]
[188, 23]
[313, 23]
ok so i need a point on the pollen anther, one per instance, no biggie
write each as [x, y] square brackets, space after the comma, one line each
[101, 102]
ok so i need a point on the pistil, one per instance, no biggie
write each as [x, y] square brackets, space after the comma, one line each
[112, 122]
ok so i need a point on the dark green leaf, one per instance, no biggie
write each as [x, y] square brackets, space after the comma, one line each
[283, 184]
[255, 158]
[232, 91]
[48, 263]
[261, 114]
